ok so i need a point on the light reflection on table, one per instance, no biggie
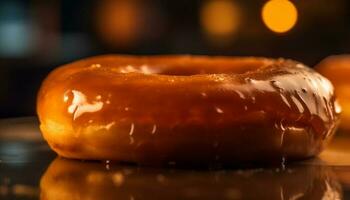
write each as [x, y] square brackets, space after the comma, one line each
[38, 174]
[87, 180]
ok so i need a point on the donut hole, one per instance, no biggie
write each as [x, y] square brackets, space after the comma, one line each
[211, 67]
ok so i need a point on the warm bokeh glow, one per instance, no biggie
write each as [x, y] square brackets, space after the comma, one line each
[220, 17]
[279, 15]
[118, 21]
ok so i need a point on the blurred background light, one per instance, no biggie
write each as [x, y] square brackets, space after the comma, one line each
[16, 32]
[37, 36]
[279, 15]
[220, 18]
[118, 21]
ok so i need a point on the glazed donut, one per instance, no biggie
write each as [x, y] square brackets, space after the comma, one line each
[186, 110]
[337, 70]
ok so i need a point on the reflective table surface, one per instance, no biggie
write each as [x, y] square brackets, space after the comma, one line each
[30, 170]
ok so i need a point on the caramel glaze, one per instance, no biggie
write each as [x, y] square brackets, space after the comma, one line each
[186, 109]
[337, 69]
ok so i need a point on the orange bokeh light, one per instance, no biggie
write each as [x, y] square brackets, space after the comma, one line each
[118, 21]
[279, 15]
[220, 17]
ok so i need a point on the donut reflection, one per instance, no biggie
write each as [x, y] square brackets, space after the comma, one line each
[65, 179]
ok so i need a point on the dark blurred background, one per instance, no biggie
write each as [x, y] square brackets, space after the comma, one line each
[38, 35]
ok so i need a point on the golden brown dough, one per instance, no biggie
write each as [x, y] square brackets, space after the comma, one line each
[186, 109]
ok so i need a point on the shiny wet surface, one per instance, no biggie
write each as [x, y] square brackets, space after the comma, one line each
[30, 170]
[129, 101]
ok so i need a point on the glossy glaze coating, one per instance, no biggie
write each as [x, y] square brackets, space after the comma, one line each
[337, 70]
[186, 109]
